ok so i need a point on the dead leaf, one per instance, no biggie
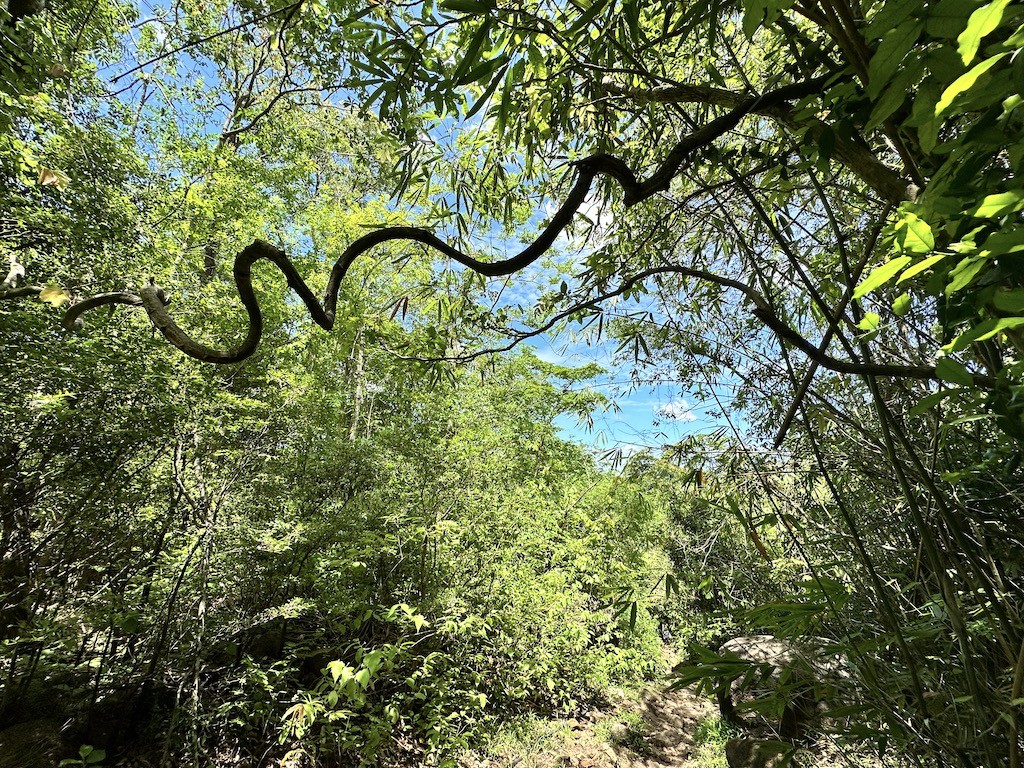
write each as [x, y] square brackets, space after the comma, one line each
[57, 70]
[50, 177]
[54, 295]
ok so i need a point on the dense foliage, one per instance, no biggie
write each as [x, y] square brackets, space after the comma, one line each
[370, 541]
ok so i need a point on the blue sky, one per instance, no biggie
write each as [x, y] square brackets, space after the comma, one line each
[649, 414]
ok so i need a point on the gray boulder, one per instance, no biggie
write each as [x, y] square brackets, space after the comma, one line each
[802, 673]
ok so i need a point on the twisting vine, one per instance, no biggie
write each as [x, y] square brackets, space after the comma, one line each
[155, 300]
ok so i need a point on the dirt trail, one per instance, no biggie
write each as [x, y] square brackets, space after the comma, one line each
[669, 721]
[655, 730]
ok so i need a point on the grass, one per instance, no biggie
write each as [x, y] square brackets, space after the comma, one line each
[521, 739]
[709, 739]
[634, 736]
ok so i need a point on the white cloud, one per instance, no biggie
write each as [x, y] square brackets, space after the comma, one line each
[677, 410]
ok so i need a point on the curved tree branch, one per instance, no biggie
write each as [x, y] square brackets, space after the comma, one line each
[762, 310]
[155, 301]
[856, 156]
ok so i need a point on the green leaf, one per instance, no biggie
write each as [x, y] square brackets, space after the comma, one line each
[983, 331]
[951, 371]
[914, 235]
[897, 92]
[929, 402]
[753, 15]
[362, 677]
[881, 275]
[948, 18]
[869, 322]
[963, 273]
[341, 672]
[965, 82]
[885, 64]
[982, 22]
[1009, 301]
[466, 6]
[890, 14]
[901, 304]
[471, 58]
[1004, 242]
[484, 97]
[921, 266]
[588, 15]
[999, 204]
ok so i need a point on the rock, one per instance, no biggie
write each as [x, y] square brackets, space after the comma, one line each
[619, 732]
[807, 654]
[33, 744]
[803, 666]
[758, 753]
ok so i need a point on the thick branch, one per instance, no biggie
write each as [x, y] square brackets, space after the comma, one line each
[762, 310]
[154, 300]
[886, 182]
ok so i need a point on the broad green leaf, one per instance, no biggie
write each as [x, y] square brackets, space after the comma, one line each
[921, 266]
[362, 677]
[467, 6]
[881, 275]
[869, 322]
[753, 16]
[965, 82]
[929, 402]
[982, 22]
[337, 670]
[948, 18]
[963, 273]
[1004, 242]
[953, 372]
[999, 204]
[901, 304]
[914, 235]
[588, 15]
[885, 64]
[895, 94]
[889, 15]
[983, 331]
[1009, 301]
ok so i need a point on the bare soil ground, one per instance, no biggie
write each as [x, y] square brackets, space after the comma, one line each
[653, 731]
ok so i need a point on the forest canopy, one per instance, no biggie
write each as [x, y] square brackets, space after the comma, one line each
[362, 535]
